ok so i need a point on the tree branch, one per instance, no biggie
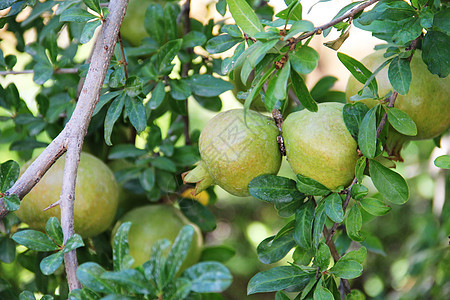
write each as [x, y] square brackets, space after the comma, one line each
[71, 137]
[348, 15]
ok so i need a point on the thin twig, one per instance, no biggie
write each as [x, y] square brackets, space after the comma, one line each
[348, 15]
[57, 71]
[184, 17]
[124, 59]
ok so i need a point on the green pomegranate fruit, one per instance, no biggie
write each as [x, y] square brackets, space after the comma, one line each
[96, 197]
[155, 222]
[234, 152]
[427, 102]
[318, 145]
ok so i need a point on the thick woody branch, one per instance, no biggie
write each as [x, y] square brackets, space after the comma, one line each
[71, 137]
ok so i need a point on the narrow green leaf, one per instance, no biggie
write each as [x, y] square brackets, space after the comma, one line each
[333, 207]
[208, 277]
[74, 242]
[374, 206]
[353, 114]
[90, 275]
[154, 22]
[136, 113]
[258, 54]
[276, 279]
[401, 121]
[442, 162]
[51, 263]
[281, 83]
[221, 253]
[9, 172]
[319, 222]
[353, 223]
[359, 71]
[7, 251]
[310, 186]
[245, 16]
[304, 218]
[271, 250]
[179, 251]
[360, 168]
[113, 113]
[280, 295]
[198, 214]
[121, 258]
[76, 14]
[34, 240]
[147, 179]
[367, 136]
[347, 269]
[131, 279]
[54, 230]
[158, 94]
[399, 74]
[221, 43]
[208, 86]
[299, 26]
[321, 293]
[356, 255]
[390, 184]
[303, 95]
[323, 257]
[273, 189]
[94, 5]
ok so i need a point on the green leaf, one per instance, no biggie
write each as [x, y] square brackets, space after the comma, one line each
[440, 21]
[297, 27]
[51, 263]
[319, 222]
[442, 162]
[154, 22]
[281, 83]
[113, 113]
[104, 99]
[42, 72]
[9, 173]
[179, 251]
[131, 279]
[257, 87]
[89, 30]
[193, 38]
[303, 95]
[27, 295]
[245, 16]
[304, 60]
[34, 240]
[258, 54]
[271, 250]
[133, 86]
[208, 86]
[367, 136]
[436, 51]
[274, 189]
[374, 206]
[165, 56]
[356, 295]
[125, 151]
[121, 257]
[179, 89]
[12, 202]
[147, 179]
[76, 14]
[7, 251]
[355, 255]
[359, 71]
[399, 74]
[390, 184]
[208, 277]
[94, 5]
[280, 295]
[401, 121]
[304, 218]
[229, 63]
[303, 256]
[360, 168]
[164, 163]
[136, 113]
[347, 269]
[353, 114]
[353, 223]
[198, 214]
[323, 257]
[276, 279]
[219, 253]
[358, 191]
[221, 43]
[54, 230]
[333, 207]
[310, 186]
[158, 95]
[90, 275]
[74, 242]
[373, 244]
[321, 293]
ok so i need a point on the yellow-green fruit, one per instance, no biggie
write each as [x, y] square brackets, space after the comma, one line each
[318, 145]
[234, 152]
[155, 222]
[96, 197]
[427, 102]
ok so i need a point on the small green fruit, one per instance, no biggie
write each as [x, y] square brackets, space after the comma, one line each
[318, 145]
[96, 197]
[235, 151]
[155, 222]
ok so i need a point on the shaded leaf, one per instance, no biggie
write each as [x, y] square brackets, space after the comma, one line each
[390, 184]
[208, 277]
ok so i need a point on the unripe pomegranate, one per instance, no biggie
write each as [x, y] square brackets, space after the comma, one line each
[427, 102]
[318, 145]
[234, 152]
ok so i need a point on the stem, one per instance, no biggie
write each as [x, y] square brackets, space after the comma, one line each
[348, 15]
[184, 17]
[124, 59]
